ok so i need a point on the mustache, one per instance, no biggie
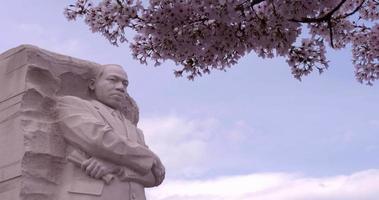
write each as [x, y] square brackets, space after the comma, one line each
[122, 94]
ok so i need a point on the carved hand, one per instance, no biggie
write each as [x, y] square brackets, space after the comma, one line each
[97, 168]
[158, 171]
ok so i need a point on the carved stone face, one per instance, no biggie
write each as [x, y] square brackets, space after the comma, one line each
[110, 87]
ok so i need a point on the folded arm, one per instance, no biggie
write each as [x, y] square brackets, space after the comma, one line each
[154, 178]
[83, 130]
[98, 169]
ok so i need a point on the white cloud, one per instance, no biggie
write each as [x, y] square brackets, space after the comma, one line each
[272, 186]
[44, 37]
[374, 122]
[191, 147]
[372, 148]
[181, 143]
[240, 132]
[31, 28]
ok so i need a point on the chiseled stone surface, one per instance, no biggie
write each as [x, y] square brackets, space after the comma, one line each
[33, 152]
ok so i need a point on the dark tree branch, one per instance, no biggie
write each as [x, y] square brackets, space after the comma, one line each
[330, 33]
[353, 12]
[324, 18]
[120, 3]
[255, 2]
[328, 19]
[252, 2]
[273, 7]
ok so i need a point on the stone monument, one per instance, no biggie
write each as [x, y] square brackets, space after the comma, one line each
[68, 130]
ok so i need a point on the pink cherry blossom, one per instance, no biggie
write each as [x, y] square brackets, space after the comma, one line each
[204, 35]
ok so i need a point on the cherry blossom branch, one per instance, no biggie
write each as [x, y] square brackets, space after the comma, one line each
[213, 35]
[324, 18]
[120, 3]
[252, 2]
[255, 2]
[330, 33]
[353, 12]
[328, 19]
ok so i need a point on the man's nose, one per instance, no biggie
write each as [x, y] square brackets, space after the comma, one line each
[120, 87]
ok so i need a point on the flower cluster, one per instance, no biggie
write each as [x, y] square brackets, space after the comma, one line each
[108, 17]
[311, 54]
[366, 54]
[203, 35]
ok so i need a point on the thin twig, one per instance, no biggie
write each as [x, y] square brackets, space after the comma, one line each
[353, 12]
[324, 18]
[331, 33]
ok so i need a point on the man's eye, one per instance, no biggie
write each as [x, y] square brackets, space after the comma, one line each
[125, 83]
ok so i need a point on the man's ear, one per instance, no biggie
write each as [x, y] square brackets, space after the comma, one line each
[91, 84]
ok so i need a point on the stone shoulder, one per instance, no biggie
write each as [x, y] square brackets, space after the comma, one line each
[73, 101]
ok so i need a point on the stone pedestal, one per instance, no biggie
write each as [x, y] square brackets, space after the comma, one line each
[31, 148]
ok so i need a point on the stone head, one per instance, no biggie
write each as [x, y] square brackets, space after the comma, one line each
[109, 85]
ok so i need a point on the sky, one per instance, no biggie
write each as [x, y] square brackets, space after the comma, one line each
[253, 132]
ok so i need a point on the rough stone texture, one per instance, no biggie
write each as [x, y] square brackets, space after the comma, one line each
[31, 150]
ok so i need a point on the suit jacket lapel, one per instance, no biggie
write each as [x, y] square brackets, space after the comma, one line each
[123, 127]
[106, 115]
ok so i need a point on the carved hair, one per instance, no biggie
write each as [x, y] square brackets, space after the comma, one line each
[98, 71]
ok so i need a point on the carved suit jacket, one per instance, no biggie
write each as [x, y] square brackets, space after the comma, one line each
[95, 130]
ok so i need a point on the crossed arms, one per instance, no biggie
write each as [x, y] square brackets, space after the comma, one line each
[109, 153]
